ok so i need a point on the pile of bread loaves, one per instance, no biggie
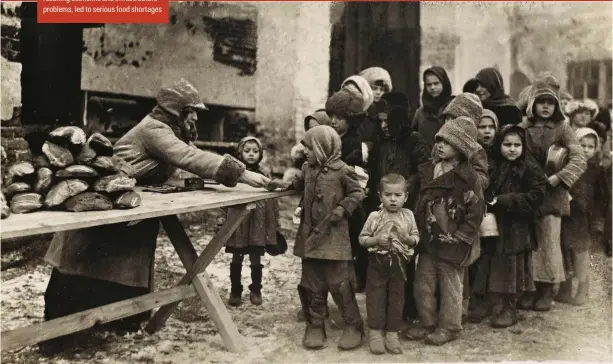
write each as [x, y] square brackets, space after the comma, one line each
[74, 173]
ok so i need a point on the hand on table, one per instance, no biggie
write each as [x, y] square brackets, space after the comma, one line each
[277, 184]
[254, 179]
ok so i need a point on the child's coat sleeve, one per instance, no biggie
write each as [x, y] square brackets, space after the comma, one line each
[353, 192]
[525, 203]
[473, 202]
[577, 164]
[412, 226]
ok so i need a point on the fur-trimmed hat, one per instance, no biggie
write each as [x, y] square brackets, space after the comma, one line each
[544, 89]
[361, 85]
[487, 113]
[345, 103]
[374, 74]
[548, 78]
[465, 105]
[461, 133]
[576, 106]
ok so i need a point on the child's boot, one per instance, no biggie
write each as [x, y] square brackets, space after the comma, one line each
[582, 293]
[392, 343]
[377, 345]
[315, 333]
[508, 315]
[237, 289]
[353, 333]
[526, 301]
[545, 300]
[441, 337]
[565, 293]
[418, 332]
[481, 310]
[255, 296]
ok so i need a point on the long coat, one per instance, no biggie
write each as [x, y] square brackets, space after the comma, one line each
[326, 188]
[120, 253]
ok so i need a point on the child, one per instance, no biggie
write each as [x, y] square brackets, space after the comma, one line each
[257, 230]
[545, 126]
[389, 235]
[331, 194]
[581, 113]
[505, 266]
[345, 111]
[435, 97]
[487, 128]
[449, 212]
[380, 83]
[587, 213]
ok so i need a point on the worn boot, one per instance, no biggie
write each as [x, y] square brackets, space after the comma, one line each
[481, 309]
[237, 288]
[565, 293]
[392, 343]
[441, 337]
[255, 296]
[582, 293]
[508, 315]
[315, 333]
[526, 301]
[417, 333]
[545, 300]
[377, 344]
[353, 332]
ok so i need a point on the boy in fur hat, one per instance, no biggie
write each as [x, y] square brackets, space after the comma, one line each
[448, 212]
[331, 194]
[545, 126]
[587, 213]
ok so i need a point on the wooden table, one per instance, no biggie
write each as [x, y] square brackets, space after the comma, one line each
[166, 207]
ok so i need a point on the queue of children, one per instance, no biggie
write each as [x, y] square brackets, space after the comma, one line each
[461, 214]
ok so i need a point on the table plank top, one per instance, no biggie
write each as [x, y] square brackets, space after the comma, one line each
[153, 205]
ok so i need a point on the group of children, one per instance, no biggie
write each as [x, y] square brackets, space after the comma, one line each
[395, 208]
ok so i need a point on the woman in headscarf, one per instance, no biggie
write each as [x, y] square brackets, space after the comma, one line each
[488, 85]
[105, 264]
[435, 97]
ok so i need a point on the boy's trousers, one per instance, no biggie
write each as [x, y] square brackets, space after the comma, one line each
[385, 292]
[337, 277]
[450, 278]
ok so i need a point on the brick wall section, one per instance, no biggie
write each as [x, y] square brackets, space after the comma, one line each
[11, 130]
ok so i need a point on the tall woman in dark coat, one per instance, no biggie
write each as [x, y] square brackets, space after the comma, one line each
[517, 188]
[100, 265]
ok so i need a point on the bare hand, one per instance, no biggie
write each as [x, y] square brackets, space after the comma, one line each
[278, 184]
[254, 179]
[383, 241]
[554, 180]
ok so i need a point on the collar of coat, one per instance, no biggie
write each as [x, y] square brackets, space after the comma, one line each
[462, 171]
[527, 123]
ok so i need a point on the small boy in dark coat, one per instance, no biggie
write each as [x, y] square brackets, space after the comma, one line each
[587, 212]
[331, 195]
[449, 212]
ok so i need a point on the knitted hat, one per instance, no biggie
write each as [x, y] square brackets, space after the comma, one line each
[487, 113]
[461, 133]
[548, 78]
[374, 74]
[361, 85]
[466, 105]
[245, 140]
[541, 89]
[345, 103]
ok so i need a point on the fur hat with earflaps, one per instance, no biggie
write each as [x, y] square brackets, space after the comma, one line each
[461, 133]
[345, 103]
[542, 89]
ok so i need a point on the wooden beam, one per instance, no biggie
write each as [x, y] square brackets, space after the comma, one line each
[33, 334]
[220, 315]
[207, 256]
[179, 239]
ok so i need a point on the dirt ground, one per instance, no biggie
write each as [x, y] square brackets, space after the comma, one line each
[271, 331]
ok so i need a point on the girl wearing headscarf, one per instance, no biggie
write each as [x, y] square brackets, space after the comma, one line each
[488, 85]
[517, 187]
[109, 263]
[257, 231]
[331, 193]
[435, 97]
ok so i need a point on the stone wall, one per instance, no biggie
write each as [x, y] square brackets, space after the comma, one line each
[12, 139]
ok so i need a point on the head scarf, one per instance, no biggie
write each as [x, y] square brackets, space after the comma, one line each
[490, 114]
[241, 146]
[499, 102]
[321, 116]
[434, 104]
[325, 144]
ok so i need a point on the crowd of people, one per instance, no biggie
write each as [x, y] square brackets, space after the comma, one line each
[477, 207]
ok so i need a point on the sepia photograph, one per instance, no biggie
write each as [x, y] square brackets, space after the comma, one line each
[306, 182]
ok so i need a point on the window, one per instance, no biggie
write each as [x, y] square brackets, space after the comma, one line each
[590, 79]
